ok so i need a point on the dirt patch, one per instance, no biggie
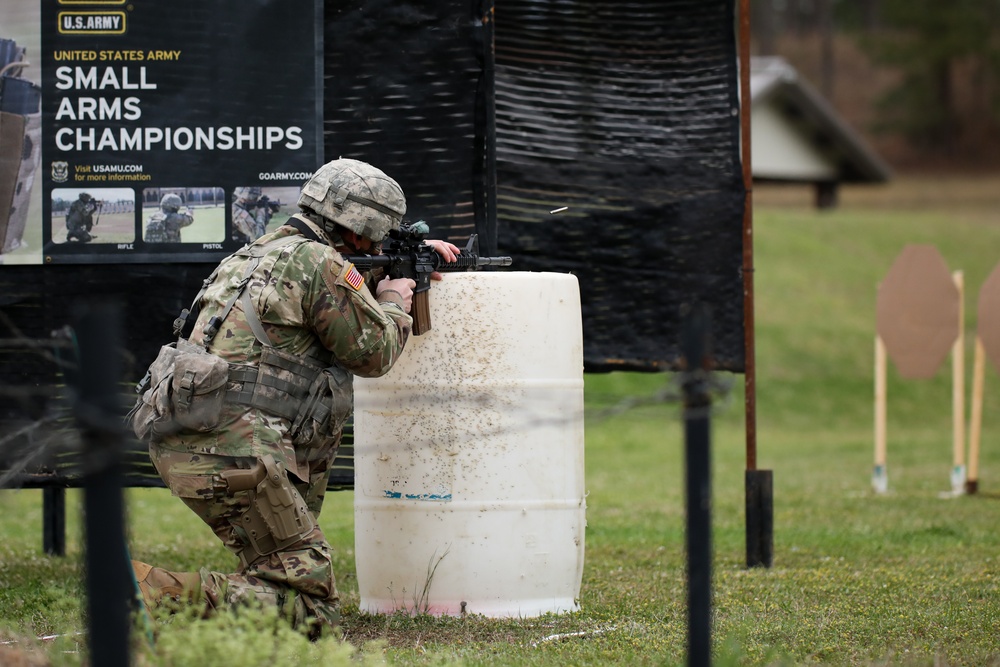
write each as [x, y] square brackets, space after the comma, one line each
[12, 656]
[110, 228]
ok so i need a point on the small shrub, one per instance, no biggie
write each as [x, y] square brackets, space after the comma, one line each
[245, 636]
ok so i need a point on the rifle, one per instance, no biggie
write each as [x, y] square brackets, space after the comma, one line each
[405, 255]
[98, 205]
[265, 201]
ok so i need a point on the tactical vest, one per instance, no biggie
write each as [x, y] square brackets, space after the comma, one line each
[156, 230]
[314, 394]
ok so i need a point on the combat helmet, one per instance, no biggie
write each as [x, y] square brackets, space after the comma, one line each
[85, 196]
[246, 196]
[171, 203]
[355, 195]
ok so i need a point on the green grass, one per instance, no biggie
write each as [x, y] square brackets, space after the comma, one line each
[209, 224]
[908, 578]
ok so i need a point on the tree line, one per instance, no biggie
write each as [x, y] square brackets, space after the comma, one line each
[946, 56]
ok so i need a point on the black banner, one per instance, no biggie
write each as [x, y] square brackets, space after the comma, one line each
[170, 132]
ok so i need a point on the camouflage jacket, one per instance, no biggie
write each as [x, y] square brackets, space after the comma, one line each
[163, 227]
[309, 308]
[172, 224]
[80, 214]
[244, 225]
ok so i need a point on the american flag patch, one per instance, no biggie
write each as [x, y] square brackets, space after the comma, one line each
[354, 278]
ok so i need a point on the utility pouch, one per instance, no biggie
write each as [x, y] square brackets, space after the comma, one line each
[152, 417]
[198, 387]
[184, 389]
[324, 411]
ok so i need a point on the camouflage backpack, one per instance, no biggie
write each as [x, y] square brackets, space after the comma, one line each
[156, 231]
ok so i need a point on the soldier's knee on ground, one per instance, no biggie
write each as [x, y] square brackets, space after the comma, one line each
[302, 610]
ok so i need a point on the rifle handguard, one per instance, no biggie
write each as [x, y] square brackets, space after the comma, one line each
[407, 256]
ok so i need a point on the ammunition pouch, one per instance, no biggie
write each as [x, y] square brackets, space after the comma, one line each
[316, 401]
[325, 410]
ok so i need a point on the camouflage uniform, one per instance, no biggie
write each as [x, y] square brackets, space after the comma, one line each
[309, 309]
[246, 227]
[80, 219]
[165, 225]
[173, 223]
[263, 215]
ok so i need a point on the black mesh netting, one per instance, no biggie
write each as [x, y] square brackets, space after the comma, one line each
[407, 89]
[626, 113]
[623, 111]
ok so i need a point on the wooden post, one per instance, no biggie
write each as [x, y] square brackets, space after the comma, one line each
[976, 418]
[880, 476]
[958, 393]
[759, 484]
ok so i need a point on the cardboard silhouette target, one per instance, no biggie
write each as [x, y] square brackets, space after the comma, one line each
[987, 347]
[918, 320]
[917, 311]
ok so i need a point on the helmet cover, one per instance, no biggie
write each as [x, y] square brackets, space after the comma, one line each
[357, 196]
[171, 202]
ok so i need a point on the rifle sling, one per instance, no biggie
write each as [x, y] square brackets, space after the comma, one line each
[304, 229]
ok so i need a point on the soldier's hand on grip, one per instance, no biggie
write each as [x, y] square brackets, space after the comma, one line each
[401, 286]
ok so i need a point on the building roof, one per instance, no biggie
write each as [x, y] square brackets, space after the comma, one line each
[798, 136]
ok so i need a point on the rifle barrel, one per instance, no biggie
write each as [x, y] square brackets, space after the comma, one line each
[462, 262]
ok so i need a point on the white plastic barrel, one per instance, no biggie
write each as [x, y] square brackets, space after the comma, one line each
[469, 470]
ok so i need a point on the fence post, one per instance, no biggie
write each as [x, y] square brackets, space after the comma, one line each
[698, 483]
[54, 520]
[96, 405]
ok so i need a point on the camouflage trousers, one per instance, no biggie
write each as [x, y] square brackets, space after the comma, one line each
[298, 579]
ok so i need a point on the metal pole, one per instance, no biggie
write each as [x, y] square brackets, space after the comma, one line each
[54, 521]
[98, 330]
[698, 485]
[759, 483]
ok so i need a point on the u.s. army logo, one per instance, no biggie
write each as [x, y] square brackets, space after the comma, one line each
[60, 171]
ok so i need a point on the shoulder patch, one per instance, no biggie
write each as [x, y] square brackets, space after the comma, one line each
[354, 277]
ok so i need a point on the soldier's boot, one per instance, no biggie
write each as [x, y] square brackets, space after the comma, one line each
[157, 585]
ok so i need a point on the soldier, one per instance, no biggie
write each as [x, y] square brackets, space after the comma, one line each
[80, 219]
[265, 211]
[165, 225]
[246, 228]
[294, 322]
